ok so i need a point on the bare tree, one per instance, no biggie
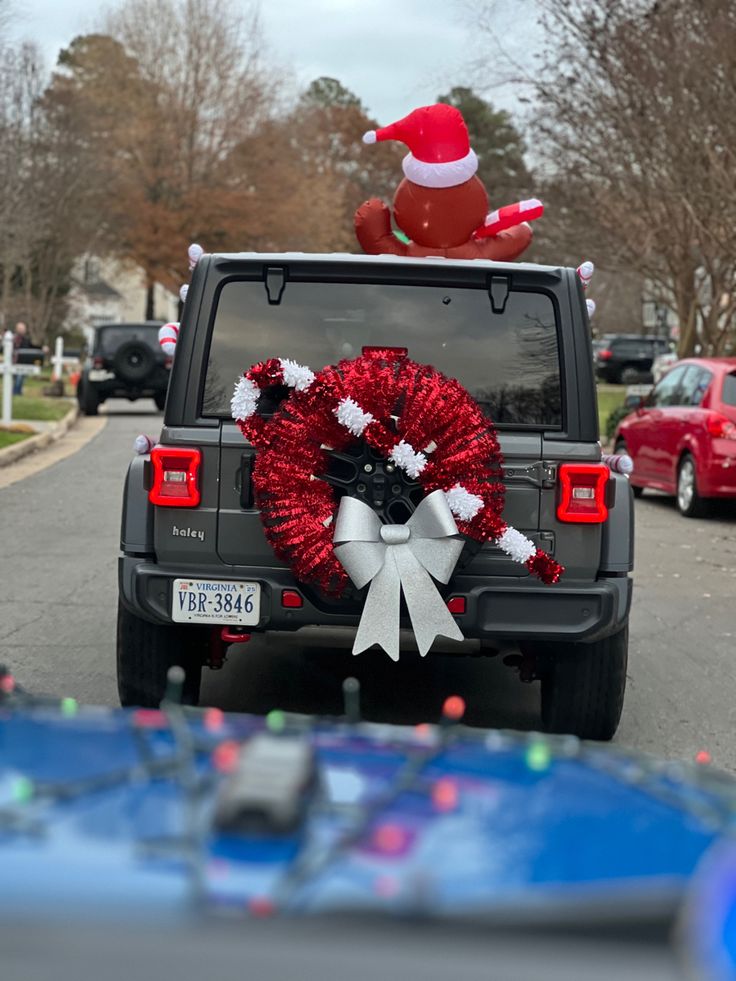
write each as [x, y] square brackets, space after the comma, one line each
[206, 89]
[636, 135]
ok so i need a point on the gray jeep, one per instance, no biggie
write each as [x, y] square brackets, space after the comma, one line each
[196, 570]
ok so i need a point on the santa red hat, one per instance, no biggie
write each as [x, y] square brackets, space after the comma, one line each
[439, 146]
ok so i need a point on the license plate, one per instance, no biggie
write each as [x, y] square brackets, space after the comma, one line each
[100, 375]
[211, 601]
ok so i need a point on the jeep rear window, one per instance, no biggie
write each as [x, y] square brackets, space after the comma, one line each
[111, 338]
[508, 361]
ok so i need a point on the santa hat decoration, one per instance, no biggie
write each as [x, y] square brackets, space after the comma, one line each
[439, 146]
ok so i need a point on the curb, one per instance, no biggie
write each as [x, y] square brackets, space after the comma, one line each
[12, 453]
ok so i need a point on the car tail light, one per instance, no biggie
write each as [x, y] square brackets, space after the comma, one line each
[175, 477]
[720, 427]
[583, 493]
[291, 599]
[456, 605]
[605, 355]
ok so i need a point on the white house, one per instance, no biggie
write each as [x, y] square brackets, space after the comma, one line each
[113, 291]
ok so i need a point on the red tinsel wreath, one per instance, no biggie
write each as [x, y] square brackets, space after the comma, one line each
[425, 423]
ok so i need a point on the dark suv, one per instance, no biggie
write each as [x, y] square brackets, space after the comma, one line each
[124, 361]
[517, 336]
[626, 359]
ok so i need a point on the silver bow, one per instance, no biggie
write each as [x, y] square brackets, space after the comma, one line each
[396, 557]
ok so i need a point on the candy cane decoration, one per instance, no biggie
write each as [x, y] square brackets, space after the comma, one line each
[168, 335]
[508, 216]
[585, 273]
[618, 462]
[195, 253]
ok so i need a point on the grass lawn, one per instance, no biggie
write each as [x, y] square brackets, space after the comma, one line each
[7, 439]
[609, 398]
[49, 410]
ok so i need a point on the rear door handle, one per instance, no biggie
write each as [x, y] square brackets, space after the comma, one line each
[246, 480]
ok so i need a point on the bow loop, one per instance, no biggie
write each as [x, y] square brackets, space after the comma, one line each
[395, 558]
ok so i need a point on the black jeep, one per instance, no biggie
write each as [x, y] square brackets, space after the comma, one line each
[625, 359]
[196, 567]
[124, 361]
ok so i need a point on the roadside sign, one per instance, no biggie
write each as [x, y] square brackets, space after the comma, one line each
[26, 369]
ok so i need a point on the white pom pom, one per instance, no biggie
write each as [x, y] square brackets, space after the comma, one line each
[405, 456]
[143, 444]
[296, 376]
[590, 304]
[516, 545]
[183, 290]
[245, 399]
[369, 136]
[351, 416]
[463, 504]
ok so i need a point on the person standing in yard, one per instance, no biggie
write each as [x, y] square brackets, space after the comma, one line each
[20, 339]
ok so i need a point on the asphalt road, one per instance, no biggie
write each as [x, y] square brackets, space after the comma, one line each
[58, 593]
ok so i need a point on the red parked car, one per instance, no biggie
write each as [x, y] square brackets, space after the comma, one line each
[682, 438]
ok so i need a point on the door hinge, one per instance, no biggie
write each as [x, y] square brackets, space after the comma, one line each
[540, 474]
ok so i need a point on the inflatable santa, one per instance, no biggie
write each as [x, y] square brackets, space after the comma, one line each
[441, 206]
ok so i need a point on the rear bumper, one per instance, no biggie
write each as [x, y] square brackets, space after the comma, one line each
[496, 609]
[718, 477]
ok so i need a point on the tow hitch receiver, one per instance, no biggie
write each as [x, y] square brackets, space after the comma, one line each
[220, 640]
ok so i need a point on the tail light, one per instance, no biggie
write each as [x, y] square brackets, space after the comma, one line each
[720, 427]
[583, 493]
[604, 355]
[175, 477]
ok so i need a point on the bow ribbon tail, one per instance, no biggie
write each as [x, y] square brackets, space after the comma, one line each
[428, 613]
[380, 622]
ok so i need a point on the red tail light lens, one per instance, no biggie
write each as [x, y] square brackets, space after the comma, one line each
[291, 600]
[456, 605]
[604, 355]
[583, 493]
[175, 477]
[720, 427]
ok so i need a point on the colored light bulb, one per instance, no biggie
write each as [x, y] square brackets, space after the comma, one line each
[454, 708]
[445, 795]
[69, 707]
[276, 721]
[538, 757]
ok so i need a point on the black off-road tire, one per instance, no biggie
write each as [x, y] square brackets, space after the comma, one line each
[146, 651]
[88, 399]
[583, 686]
[160, 400]
[629, 375]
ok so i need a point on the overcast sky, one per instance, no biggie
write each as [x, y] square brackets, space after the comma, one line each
[394, 54]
